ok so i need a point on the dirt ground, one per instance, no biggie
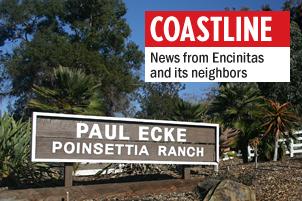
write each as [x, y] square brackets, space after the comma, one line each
[272, 181]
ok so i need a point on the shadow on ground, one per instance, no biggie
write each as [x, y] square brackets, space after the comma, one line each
[90, 180]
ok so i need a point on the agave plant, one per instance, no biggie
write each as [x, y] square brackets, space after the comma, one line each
[16, 166]
[279, 121]
[14, 140]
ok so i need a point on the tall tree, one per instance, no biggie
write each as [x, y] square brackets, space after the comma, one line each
[236, 106]
[295, 8]
[292, 91]
[91, 35]
[158, 100]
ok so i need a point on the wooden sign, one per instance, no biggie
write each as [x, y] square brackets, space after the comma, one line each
[81, 138]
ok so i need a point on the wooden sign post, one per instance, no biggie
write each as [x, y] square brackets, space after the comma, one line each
[68, 169]
[186, 173]
[78, 138]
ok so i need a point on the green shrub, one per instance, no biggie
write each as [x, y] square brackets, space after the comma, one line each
[231, 154]
[15, 163]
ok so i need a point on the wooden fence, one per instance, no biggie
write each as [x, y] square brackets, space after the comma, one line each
[295, 146]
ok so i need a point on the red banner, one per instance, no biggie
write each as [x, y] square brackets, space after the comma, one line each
[217, 29]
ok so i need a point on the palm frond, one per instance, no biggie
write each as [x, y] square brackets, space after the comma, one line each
[71, 91]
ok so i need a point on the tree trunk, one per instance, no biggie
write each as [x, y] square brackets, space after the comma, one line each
[256, 156]
[244, 152]
[276, 147]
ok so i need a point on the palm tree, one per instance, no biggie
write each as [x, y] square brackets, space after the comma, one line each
[70, 91]
[186, 111]
[279, 120]
[236, 102]
[236, 107]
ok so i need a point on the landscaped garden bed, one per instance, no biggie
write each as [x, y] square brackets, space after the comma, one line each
[271, 181]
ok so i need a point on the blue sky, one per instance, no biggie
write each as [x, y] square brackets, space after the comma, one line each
[135, 18]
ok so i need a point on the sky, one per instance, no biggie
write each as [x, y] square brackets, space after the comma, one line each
[135, 19]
